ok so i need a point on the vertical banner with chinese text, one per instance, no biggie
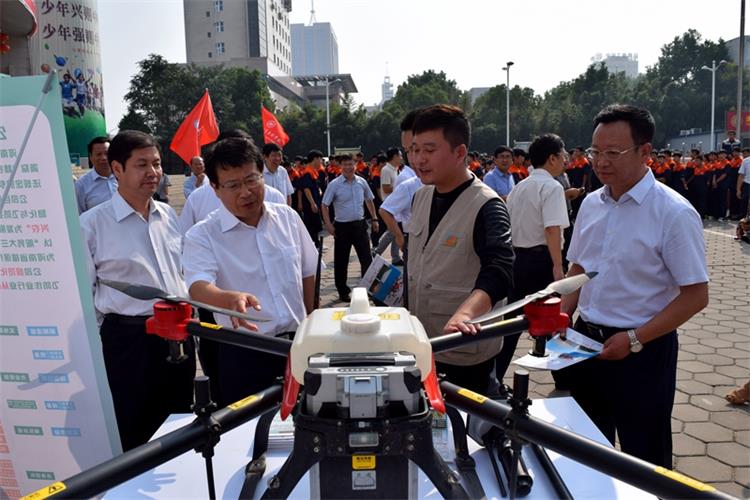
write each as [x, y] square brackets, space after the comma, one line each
[68, 36]
[56, 415]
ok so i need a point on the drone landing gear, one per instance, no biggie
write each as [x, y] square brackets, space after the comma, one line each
[376, 452]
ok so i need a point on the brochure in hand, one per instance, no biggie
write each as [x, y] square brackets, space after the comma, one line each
[562, 353]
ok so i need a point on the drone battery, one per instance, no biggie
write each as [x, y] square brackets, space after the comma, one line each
[364, 476]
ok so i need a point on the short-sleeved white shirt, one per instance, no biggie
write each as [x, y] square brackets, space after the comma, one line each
[535, 203]
[123, 246]
[278, 180]
[644, 246]
[268, 261]
[406, 173]
[388, 176]
[399, 202]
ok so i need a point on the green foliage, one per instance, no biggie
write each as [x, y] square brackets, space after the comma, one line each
[676, 90]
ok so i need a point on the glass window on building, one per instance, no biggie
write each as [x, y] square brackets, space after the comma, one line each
[218, 5]
[220, 48]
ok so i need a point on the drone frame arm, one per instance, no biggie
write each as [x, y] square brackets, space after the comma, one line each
[158, 451]
[663, 483]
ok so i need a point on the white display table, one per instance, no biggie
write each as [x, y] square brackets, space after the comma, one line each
[185, 477]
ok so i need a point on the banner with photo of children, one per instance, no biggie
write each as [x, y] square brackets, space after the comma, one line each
[69, 43]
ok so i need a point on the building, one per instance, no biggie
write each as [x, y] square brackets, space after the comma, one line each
[733, 46]
[315, 50]
[254, 34]
[386, 90]
[314, 88]
[619, 63]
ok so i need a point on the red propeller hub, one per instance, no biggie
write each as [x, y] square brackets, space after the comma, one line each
[170, 320]
[545, 317]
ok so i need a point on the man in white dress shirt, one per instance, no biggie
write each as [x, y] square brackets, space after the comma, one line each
[646, 242]
[249, 254]
[134, 238]
[274, 175]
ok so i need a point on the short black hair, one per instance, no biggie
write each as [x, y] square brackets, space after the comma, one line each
[391, 153]
[640, 120]
[380, 159]
[270, 148]
[232, 152]
[314, 154]
[543, 147]
[407, 123]
[299, 158]
[450, 119]
[502, 149]
[234, 132]
[520, 152]
[345, 157]
[123, 144]
[102, 139]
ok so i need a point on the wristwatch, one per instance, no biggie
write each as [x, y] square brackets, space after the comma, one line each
[635, 344]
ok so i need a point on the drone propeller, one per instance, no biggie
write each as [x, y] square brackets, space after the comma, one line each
[144, 292]
[562, 287]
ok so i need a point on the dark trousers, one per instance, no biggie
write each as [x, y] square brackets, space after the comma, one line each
[349, 234]
[145, 387]
[243, 372]
[475, 377]
[312, 223]
[532, 271]
[632, 397]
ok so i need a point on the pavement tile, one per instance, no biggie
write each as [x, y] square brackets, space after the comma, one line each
[742, 437]
[696, 367]
[684, 445]
[711, 403]
[735, 489]
[708, 432]
[716, 360]
[693, 387]
[713, 379]
[689, 413]
[698, 348]
[742, 475]
[704, 468]
[717, 342]
[733, 454]
[736, 420]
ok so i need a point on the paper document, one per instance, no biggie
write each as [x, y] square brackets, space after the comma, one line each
[561, 353]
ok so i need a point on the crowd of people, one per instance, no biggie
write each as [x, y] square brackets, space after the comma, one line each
[471, 230]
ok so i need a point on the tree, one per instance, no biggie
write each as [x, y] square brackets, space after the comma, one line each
[488, 117]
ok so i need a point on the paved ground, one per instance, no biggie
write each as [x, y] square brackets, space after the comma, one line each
[711, 437]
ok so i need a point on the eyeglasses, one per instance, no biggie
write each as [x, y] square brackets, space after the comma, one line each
[251, 181]
[609, 154]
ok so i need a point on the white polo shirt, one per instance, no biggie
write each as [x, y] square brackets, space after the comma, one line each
[123, 246]
[745, 170]
[388, 176]
[406, 173]
[644, 247]
[268, 261]
[203, 201]
[535, 203]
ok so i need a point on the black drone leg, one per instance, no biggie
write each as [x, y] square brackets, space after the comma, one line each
[257, 467]
[307, 451]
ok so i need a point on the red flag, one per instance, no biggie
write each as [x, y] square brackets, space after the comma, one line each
[273, 132]
[199, 128]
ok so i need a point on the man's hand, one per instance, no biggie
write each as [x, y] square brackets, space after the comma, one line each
[330, 229]
[616, 347]
[240, 302]
[399, 237]
[375, 226]
[739, 194]
[314, 208]
[458, 323]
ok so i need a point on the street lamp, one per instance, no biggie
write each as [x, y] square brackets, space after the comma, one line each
[507, 102]
[713, 69]
[328, 113]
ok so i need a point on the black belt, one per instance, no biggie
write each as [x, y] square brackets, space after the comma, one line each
[536, 249]
[601, 332]
[360, 221]
[126, 320]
